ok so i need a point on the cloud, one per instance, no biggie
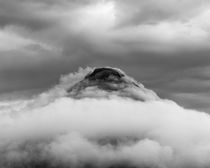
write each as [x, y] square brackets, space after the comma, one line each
[12, 41]
[153, 40]
[176, 26]
[53, 130]
[141, 12]
[192, 99]
[29, 14]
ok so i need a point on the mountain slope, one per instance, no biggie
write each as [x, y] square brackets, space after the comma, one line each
[108, 82]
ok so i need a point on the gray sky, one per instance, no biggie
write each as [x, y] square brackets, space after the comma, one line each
[164, 44]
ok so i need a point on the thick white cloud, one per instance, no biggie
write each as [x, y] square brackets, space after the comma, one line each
[54, 130]
[160, 134]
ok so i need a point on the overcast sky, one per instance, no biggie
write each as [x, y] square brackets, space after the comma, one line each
[164, 44]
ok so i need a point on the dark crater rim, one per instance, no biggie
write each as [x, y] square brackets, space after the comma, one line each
[104, 74]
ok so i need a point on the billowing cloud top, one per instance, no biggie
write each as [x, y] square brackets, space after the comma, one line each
[57, 129]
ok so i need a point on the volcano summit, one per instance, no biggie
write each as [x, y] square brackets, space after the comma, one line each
[107, 82]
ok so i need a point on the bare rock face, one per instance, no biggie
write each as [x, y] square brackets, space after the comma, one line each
[106, 81]
[105, 74]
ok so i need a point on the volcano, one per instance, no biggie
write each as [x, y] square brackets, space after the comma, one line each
[107, 82]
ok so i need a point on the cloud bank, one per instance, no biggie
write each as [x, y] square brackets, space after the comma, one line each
[53, 130]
